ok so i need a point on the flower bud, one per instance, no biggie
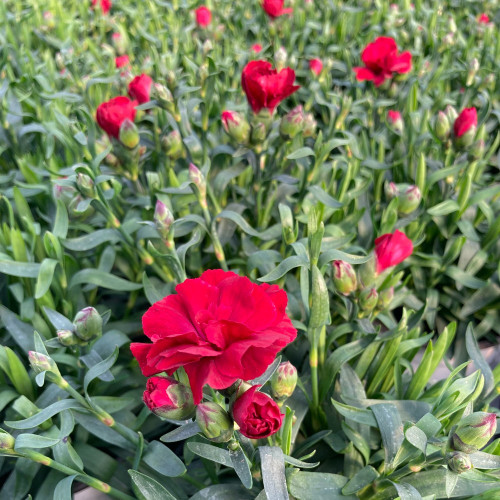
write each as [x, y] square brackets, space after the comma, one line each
[476, 151]
[67, 338]
[367, 272]
[163, 219]
[292, 123]
[168, 398]
[489, 81]
[451, 113]
[459, 462]
[368, 299]
[452, 25]
[7, 441]
[129, 135]
[85, 185]
[118, 42]
[391, 190]
[283, 382]
[259, 133]
[442, 127]
[163, 96]
[385, 298]
[280, 58]
[344, 277]
[48, 19]
[236, 126]
[203, 72]
[473, 432]
[59, 59]
[198, 179]
[395, 121]
[207, 46]
[88, 324]
[447, 41]
[214, 422]
[309, 125]
[409, 200]
[42, 363]
[471, 74]
[172, 145]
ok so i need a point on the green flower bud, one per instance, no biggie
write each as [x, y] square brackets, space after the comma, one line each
[88, 324]
[385, 298]
[7, 441]
[391, 190]
[452, 26]
[236, 126]
[198, 179]
[85, 185]
[367, 272]
[214, 422]
[172, 145]
[67, 338]
[280, 58]
[259, 133]
[163, 96]
[203, 72]
[368, 299]
[163, 219]
[459, 462]
[442, 127]
[129, 135]
[471, 74]
[292, 123]
[409, 200]
[283, 382]
[447, 41]
[59, 58]
[42, 363]
[344, 277]
[168, 398]
[119, 43]
[309, 125]
[473, 432]
[451, 113]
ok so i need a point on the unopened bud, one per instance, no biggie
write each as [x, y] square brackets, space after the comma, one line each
[59, 61]
[292, 123]
[447, 41]
[309, 125]
[367, 272]
[163, 219]
[280, 58]
[214, 422]
[442, 127]
[163, 96]
[118, 42]
[368, 299]
[236, 126]
[459, 462]
[395, 121]
[391, 190]
[259, 133]
[85, 185]
[42, 363]
[203, 72]
[88, 324]
[385, 298]
[283, 382]
[451, 113]
[344, 277]
[129, 135]
[48, 19]
[409, 200]
[473, 432]
[7, 441]
[452, 25]
[172, 145]
[207, 46]
[471, 74]
[168, 398]
[67, 338]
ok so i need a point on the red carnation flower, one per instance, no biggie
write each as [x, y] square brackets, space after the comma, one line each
[316, 65]
[140, 88]
[391, 249]
[122, 61]
[483, 19]
[257, 415]
[203, 16]
[104, 4]
[256, 48]
[220, 327]
[393, 116]
[111, 114]
[265, 87]
[382, 60]
[275, 8]
[465, 121]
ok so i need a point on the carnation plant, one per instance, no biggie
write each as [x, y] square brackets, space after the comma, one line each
[249, 249]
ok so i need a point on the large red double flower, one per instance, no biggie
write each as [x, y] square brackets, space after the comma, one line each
[265, 87]
[111, 114]
[381, 60]
[220, 327]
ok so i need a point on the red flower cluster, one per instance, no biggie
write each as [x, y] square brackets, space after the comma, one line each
[111, 114]
[220, 327]
[140, 88]
[105, 5]
[265, 87]
[257, 415]
[465, 121]
[382, 60]
[203, 16]
[275, 8]
[391, 249]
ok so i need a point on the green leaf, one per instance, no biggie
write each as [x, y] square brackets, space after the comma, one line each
[300, 153]
[211, 452]
[63, 489]
[324, 197]
[479, 361]
[272, 466]
[267, 374]
[19, 269]
[417, 438]
[34, 441]
[361, 416]
[92, 240]
[20, 331]
[45, 276]
[99, 369]
[45, 414]
[241, 467]
[481, 460]
[391, 430]
[284, 267]
[148, 489]
[184, 432]
[163, 460]
[14, 369]
[104, 280]
[271, 233]
[444, 208]
[407, 491]
[299, 463]
[335, 254]
[61, 222]
[309, 485]
[229, 491]
[360, 480]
